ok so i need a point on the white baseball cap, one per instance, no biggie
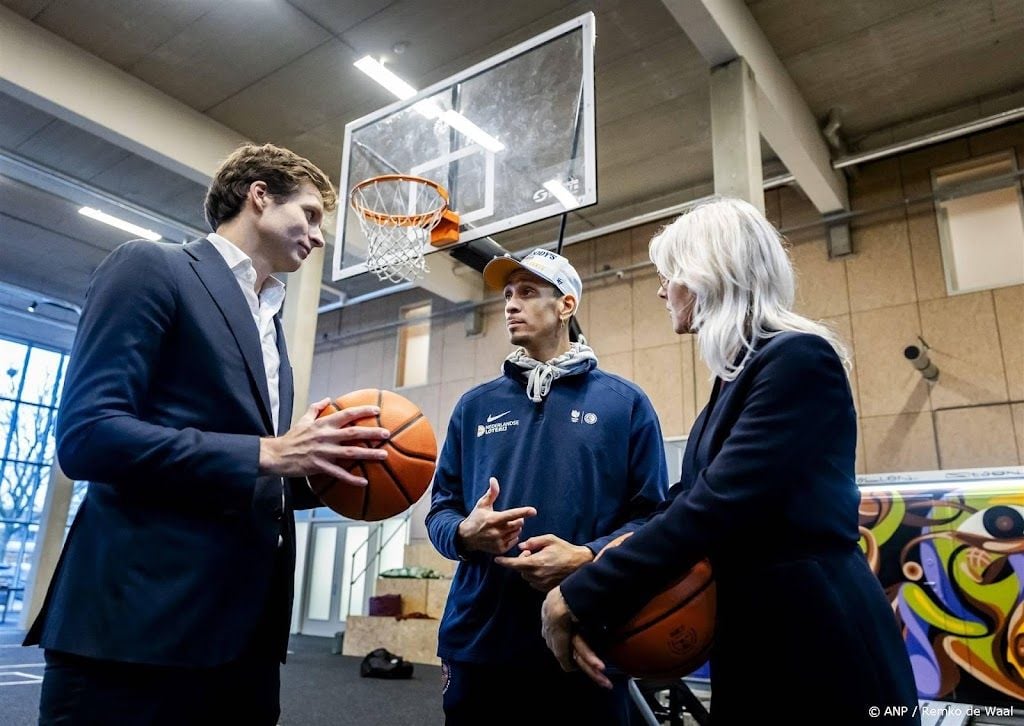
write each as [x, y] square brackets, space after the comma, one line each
[544, 264]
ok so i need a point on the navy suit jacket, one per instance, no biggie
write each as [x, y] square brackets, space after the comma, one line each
[768, 494]
[174, 556]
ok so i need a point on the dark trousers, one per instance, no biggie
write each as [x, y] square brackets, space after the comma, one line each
[81, 691]
[537, 693]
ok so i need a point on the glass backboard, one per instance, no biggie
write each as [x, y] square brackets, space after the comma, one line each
[512, 139]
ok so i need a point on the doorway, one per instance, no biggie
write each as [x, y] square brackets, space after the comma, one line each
[337, 554]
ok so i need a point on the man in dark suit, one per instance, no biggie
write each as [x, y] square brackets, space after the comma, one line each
[172, 599]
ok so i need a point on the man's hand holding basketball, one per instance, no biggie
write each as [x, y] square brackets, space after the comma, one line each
[487, 530]
[324, 444]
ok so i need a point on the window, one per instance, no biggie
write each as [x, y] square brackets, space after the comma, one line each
[413, 346]
[981, 223]
[30, 384]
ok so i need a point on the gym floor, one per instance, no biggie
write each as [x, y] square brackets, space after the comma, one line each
[317, 688]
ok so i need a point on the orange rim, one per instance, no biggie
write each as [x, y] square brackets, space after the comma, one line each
[398, 220]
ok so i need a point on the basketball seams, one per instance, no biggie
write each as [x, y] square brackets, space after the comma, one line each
[413, 454]
[395, 481]
[385, 494]
[625, 635]
[407, 424]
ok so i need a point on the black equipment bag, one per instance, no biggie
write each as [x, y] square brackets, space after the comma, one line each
[382, 663]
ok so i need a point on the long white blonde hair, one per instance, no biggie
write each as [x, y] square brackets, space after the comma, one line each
[732, 259]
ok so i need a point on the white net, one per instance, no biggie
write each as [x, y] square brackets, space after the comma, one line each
[396, 215]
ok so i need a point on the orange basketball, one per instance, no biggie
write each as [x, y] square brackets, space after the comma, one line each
[671, 636]
[396, 483]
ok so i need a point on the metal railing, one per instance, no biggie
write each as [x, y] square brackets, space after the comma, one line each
[375, 534]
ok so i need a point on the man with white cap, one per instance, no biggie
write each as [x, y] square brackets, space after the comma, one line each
[541, 468]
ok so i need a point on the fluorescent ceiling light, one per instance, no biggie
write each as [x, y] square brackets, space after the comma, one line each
[120, 223]
[375, 70]
[428, 108]
[462, 124]
[563, 195]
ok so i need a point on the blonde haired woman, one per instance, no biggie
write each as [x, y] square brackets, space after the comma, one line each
[804, 631]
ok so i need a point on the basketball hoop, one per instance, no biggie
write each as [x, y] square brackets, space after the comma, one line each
[398, 214]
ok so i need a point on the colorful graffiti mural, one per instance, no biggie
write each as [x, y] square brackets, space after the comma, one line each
[950, 555]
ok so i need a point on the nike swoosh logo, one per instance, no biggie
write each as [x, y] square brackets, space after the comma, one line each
[497, 416]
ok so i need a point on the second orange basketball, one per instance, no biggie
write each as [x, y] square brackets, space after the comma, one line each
[672, 634]
[396, 483]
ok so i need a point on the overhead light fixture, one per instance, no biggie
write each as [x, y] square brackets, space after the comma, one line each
[563, 195]
[120, 224]
[376, 70]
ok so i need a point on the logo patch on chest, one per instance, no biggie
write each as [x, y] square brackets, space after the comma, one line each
[587, 417]
[496, 427]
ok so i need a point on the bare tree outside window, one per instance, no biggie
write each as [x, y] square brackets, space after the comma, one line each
[30, 380]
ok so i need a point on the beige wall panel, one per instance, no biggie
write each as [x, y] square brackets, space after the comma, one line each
[820, 282]
[611, 317]
[929, 276]
[451, 392]
[374, 369]
[860, 464]
[641, 239]
[1017, 414]
[796, 210]
[459, 351]
[899, 443]
[702, 380]
[613, 251]
[428, 399]
[1010, 318]
[328, 324]
[582, 312]
[773, 207]
[844, 328]
[915, 168]
[342, 363]
[492, 347]
[620, 364]
[659, 372]
[880, 274]
[1001, 139]
[690, 403]
[886, 382]
[581, 256]
[964, 344]
[876, 185]
[435, 357]
[976, 437]
[320, 376]
[651, 323]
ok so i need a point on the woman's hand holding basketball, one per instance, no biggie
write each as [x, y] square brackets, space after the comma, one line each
[571, 651]
[322, 443]
[487, 530]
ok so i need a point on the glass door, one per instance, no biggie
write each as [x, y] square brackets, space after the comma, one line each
[335, 576]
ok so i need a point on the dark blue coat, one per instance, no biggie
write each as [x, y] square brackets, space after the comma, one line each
[804, 631]
[173, 557]
[589, 457]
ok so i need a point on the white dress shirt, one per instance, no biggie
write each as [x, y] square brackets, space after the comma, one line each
[263, 308]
